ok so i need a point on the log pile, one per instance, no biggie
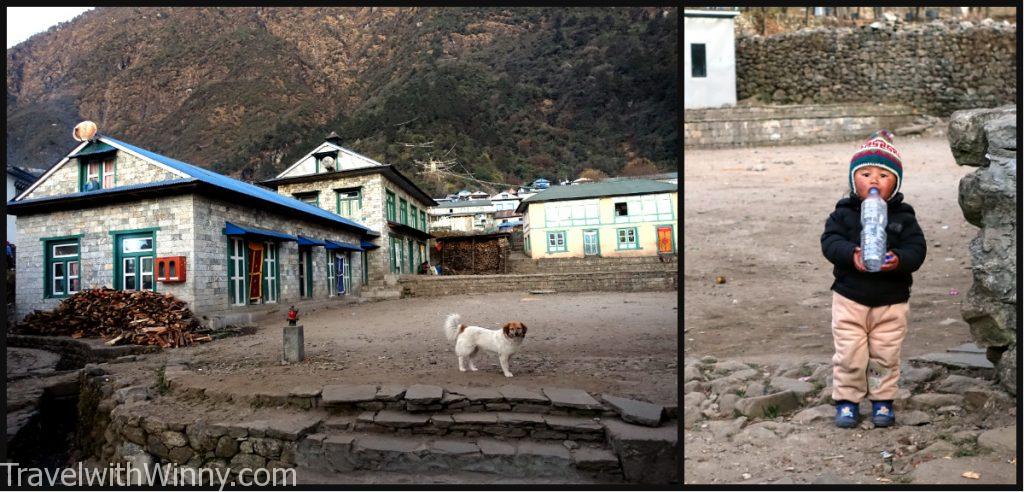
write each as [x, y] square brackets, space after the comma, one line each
[474, 256]
[120, 317]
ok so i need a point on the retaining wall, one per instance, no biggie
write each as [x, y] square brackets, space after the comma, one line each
[560, 282]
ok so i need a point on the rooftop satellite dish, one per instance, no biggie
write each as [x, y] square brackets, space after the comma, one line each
[327, 163]
[84, 131]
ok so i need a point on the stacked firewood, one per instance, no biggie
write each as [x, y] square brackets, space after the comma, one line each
[475, 257]
[120, 317]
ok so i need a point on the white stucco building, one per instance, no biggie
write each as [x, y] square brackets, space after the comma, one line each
[709, 58]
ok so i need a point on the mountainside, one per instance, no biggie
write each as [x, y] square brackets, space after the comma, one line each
[507, 94]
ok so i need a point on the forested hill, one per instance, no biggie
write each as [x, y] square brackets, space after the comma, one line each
[506, 94]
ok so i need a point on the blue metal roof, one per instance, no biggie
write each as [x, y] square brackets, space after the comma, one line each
[225, 182]
[367, 245]
[234, 230]
[341, 245]
[104, 191]
[305, 241]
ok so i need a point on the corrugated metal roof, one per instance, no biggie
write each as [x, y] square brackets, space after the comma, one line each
[601, 189]
[248, 231]
[332, 245]
[225, 182]
[466, 203]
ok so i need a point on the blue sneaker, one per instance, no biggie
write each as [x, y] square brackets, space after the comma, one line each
[846, 413]
[882, 414]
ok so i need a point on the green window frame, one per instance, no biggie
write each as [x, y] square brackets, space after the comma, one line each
[62, 270]
[305, 271]
[557, 242]
[403, 210]
[271, 273]
[415, 216]
[238, 271]
[391, 205]
[348, 202]
[131, 259]
[310, 197]
[627, 238]
[423, 220]
[106, 167]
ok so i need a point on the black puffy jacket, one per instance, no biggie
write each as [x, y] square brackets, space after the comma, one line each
[904, 238]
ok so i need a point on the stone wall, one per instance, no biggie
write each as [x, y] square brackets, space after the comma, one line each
[76, 353]
[631, 281]
[937, 68]
[987, 139]
[129, 170]
[592, 264]
[173, 216]
[785, 125]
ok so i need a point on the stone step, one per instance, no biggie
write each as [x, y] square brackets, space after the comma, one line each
[345, 452]
[471, 425]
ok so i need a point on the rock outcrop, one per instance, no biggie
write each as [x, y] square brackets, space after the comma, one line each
[986, 138]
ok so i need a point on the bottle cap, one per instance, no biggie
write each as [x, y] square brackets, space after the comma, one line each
[873, 191]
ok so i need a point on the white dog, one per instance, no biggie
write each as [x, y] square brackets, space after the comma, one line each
[468, 339]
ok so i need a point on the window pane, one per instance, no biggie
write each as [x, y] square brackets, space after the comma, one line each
[94, 170]
[129, 266]
[621, 209]
[698, 65]
[147, 282]
[65, 249]
[134, 245]
[129, 282]
[72, 268]
[75, 285]
[147, 266]
[58, 285]
[108, 180]
[58, 269]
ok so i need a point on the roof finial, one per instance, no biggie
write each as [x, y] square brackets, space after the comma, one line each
[334, 138]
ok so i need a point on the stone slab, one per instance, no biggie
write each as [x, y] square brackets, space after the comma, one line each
[649, 455]
[293, 427]
[589, 458]
[571, 424]
[635, 411]
[518, 418]
[387, 444]
[423, 394]
[959, 360]
[347, 394]
[393, 418]
[571, 398]
[494, 447]
[390, 392]
[448, 446]
[519, 394]
[967, 348]
[477, 395]
[545, 451]
[480, 418]
[1002, 440]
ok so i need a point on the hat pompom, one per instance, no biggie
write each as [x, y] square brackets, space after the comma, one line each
[884, 135]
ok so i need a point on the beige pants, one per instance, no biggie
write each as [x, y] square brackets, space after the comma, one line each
[868, 341]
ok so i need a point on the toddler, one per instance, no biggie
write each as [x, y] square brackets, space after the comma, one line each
[869, 310]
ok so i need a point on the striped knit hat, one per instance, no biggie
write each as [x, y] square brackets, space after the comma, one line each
[878, 151]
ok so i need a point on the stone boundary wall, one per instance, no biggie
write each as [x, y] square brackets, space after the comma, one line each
[592, 264]
[630, 281]
[76, 353]
[786, 125]
[937, 68]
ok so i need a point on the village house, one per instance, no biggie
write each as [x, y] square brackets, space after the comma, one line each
[463, 215]
[116, 215]
[709, 58]
[634, 217]
[376, 195]
[18, 180]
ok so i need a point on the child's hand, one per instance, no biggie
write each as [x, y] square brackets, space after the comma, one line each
[858, 261]
[891, 261]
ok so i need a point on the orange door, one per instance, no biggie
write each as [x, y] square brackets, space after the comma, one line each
[665, 240]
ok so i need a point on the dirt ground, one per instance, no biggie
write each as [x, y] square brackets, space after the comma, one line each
[621, 343]
[761, 230]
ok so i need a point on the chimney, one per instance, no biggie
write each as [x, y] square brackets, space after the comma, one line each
[334, 139]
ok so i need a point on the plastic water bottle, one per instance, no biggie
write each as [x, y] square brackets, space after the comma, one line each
[873, 218]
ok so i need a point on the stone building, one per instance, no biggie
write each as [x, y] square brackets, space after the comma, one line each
[608, 219]
[116, 215]
[463, 216]
[354, 186]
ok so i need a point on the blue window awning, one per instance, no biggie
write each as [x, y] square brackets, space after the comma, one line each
[340, 245]
[305, 241]
[256, 233]
[367, 245]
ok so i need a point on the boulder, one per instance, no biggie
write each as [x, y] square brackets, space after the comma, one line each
[728, 366]
[911, 376]
[727, 403]
[988, 198]
[768, 405]
[935, 400]
[754, 388]
[723, 429]
[691, 373]
[820, 412]
[913, 417]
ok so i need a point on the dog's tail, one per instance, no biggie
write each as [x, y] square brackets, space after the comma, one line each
[451, 327]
